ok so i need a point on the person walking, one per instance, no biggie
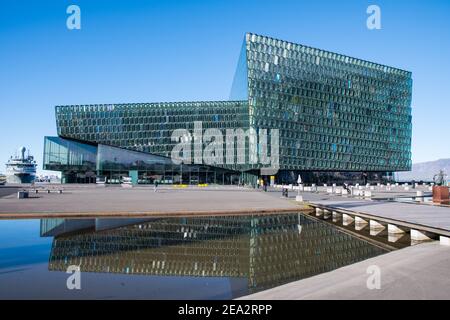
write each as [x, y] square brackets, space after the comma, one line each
[155, 186]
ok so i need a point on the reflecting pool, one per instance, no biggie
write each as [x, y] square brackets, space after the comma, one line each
[217, 257]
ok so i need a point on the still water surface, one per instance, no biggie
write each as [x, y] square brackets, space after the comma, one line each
[169, 258]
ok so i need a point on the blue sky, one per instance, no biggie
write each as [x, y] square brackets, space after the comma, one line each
[146, 51]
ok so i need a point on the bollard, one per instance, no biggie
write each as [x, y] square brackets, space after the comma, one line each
[419, 196]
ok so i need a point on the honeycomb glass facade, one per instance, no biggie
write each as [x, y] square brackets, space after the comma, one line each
[146, 127]
[334, 112]
[338, 117]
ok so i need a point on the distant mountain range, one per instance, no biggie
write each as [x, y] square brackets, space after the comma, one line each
[425, 170]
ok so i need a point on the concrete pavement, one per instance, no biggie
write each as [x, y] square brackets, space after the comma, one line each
[82, 201]
[417, 272]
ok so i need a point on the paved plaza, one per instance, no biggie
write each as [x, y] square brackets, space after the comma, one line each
[417, 272]
[117, 200]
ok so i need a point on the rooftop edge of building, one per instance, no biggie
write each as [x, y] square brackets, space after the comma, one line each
[374, 64]
[155, 104]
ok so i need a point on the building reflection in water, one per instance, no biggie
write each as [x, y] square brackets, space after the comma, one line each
[266, 250]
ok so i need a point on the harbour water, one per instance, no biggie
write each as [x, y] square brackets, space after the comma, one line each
[220, 257]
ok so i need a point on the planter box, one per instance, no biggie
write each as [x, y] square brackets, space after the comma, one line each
[441, 194]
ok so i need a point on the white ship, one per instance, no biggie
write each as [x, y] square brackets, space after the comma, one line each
[21, 169]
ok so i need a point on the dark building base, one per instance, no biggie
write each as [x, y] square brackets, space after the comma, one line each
[329, 177]
[82, 163]
[231, 178]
